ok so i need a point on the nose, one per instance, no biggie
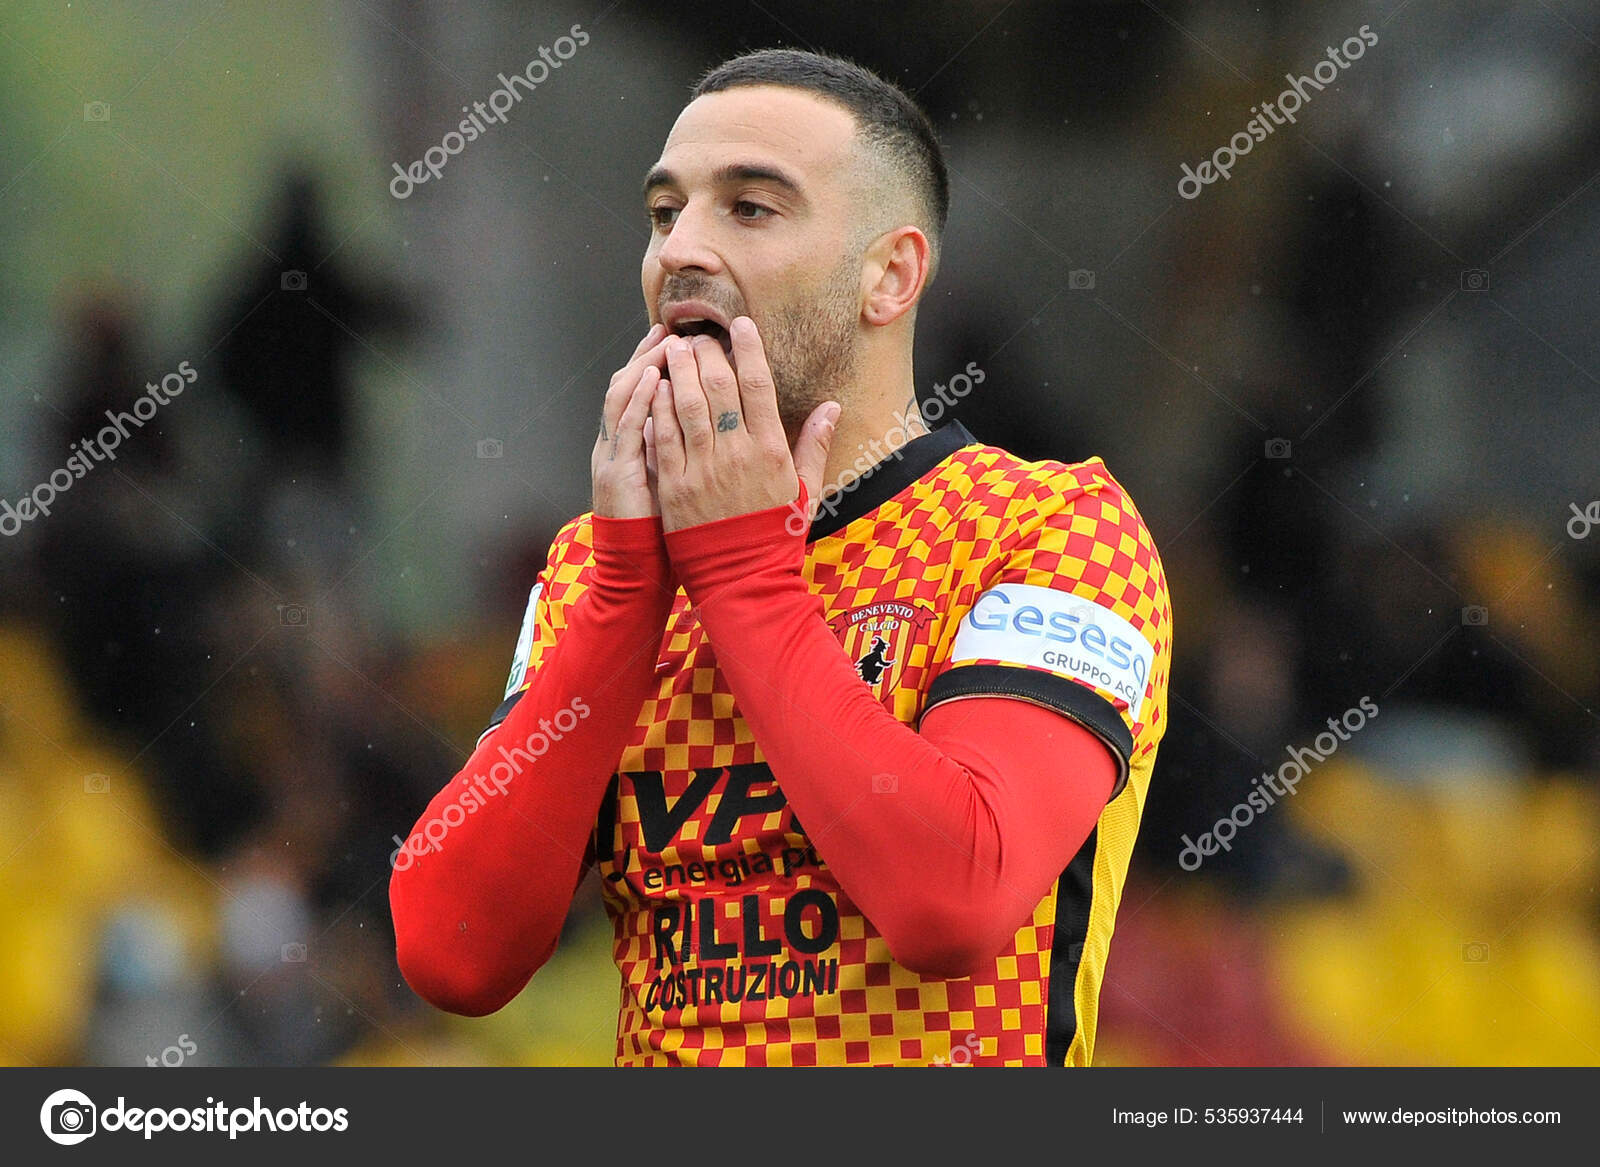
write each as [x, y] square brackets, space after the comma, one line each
[688, 245]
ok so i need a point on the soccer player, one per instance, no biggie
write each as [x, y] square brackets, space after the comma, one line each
[858, 741]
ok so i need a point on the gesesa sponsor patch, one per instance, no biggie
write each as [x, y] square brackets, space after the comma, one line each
[1024, 624]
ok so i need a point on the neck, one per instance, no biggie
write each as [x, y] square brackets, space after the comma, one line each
[879, 416]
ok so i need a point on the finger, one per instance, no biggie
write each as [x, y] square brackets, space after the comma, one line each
[650, 467]
[721, 386]
[628, 440]
[650, 338]
[688, 397]
[671, 459]
[811, 450]
[624, 381]
[758, 393]
[649, 352]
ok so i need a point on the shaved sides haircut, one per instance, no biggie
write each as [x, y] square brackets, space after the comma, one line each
[902, 154]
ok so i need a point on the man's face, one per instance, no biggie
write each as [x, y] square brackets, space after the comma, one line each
[751, 214]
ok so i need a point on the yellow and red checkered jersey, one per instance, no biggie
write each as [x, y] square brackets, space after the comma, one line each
[951, 570]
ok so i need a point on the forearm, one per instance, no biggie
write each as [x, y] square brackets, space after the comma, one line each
[946, 839]
[481, 889]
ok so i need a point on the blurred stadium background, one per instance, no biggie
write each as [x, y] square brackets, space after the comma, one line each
[1353, 389]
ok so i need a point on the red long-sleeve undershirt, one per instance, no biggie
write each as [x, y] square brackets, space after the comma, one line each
[477, 916]
[945, 838]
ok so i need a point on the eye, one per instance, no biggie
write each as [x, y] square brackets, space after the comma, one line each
[661, 216]
[743, 207]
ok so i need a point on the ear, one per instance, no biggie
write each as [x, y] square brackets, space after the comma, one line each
[894, 272]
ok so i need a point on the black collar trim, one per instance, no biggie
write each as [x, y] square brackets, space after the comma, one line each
[888, 478]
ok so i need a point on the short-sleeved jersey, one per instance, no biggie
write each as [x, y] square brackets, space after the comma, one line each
[951, 570]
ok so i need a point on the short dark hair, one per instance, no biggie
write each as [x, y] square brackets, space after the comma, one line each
[887, 120]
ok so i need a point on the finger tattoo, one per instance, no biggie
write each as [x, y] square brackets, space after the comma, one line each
[728, 421]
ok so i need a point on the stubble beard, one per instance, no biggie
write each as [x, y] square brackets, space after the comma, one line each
[811, 344]
[813, 349]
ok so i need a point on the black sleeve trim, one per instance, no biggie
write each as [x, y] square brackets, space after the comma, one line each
[1077, 702]
[501, 713]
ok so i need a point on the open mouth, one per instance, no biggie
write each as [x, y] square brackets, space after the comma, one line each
[694, 327]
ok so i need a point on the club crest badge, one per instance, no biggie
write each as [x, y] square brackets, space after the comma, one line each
[878, 637]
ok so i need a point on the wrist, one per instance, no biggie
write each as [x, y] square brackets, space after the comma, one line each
[643, 533]
[712, 555]
[633, 550]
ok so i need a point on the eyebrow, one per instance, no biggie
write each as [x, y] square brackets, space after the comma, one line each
[726, 175]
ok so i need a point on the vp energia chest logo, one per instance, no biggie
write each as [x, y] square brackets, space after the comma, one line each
[878, 638]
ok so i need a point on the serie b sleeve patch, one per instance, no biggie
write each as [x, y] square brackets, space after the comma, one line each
[519, 661]
[543, 619]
